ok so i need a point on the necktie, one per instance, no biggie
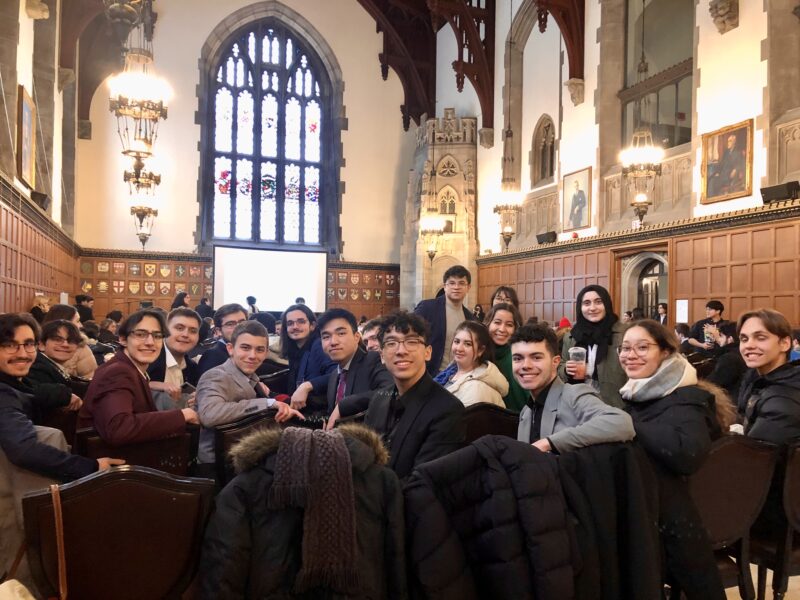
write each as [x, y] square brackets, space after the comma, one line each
[341, 385]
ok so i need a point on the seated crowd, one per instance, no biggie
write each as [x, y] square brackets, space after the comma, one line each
[410, 377]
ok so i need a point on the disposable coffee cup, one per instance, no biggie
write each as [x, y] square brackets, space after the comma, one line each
[578, 355]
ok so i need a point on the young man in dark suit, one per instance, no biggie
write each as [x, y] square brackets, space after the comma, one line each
[173, 368]
[418, 419]
[227, 317]
[357, 371]
[444, 314]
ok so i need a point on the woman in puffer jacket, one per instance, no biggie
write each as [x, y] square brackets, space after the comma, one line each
[472, 377]
[675, 420]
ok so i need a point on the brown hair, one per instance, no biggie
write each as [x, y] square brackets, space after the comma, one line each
[665, 338]
[774, 322]
[506, 307]
[480, 339]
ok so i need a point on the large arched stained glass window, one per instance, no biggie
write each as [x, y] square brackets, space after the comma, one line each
[268, 130]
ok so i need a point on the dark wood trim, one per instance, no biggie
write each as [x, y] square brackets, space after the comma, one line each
[143, 255]
[363, 266]
[652, 84]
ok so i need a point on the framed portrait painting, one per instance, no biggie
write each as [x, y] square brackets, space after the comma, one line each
[576, 200]
[26, 138]
[727, 168]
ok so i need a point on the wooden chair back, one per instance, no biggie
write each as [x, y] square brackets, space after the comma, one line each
[225, 436]
[130, 533]
[728, 506]
[489, 419]
[172, 455]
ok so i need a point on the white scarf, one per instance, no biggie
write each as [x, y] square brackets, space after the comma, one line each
[673, 373]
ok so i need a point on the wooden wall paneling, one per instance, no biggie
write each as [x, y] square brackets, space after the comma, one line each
[366, 290]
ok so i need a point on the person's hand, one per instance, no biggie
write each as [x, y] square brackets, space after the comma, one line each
[104, 463]
[161, 386]
[335, 415]
[542, 444]
[300, 396]
[285, 412]
[75, 403]
[264, 388]
[571, 366]
[190, 416]
[191, 400]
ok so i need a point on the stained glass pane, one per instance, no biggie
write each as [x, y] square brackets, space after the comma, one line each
[311, 206]
[292, 149]
[316, 90]
[289, 52]
[298, 82]
[269, 126]
[269, 172]
[275, 81]
[239, 73]
[244, 123]
[251, 46]
[309, 81]
[223, 120]
[265, 46]
[291, 204]
[222, 197]
[219, 75]
[244, 199]
[312, 131]
[235, 50]
[265, 80]
[230, 68]
[249, 80]
[276, 52]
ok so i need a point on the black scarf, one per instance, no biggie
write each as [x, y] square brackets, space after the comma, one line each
[585, 333]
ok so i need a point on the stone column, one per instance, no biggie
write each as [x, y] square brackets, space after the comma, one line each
[45, 36]
[9, 38]
[68, 133]
[611, 79]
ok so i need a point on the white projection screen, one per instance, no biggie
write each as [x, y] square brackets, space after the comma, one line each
[274, 277]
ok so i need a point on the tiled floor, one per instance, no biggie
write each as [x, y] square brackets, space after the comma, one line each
[793, 593]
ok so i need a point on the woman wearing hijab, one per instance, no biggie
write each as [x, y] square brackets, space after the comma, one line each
[598, 330]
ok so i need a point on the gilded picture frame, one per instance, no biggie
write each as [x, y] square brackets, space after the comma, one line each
[576, 200]
[727, 163]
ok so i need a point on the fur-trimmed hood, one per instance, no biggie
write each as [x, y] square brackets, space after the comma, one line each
[364, 444]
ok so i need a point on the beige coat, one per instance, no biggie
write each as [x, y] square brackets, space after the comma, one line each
[484, 384]
[83, 363]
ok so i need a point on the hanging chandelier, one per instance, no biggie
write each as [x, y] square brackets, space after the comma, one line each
[138, 98]
[143, 219]
[641, 161]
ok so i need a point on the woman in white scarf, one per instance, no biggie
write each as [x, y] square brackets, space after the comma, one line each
[675, 421]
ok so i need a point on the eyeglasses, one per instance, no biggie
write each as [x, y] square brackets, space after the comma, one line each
[229, 324]
[143, 334]
[12, 347]
[297, 322]
[410, 344]
[640, 349]
[456, 284]
[60, 339]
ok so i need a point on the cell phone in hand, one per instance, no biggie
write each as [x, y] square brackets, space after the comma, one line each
[187, 388]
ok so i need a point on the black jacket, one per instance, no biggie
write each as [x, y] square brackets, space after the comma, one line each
[431, 425]
[204, 310]
[84, 312]
[158, 369]
[490, 521]
[729, 369]
[46, 393]
[676, 432]
[771, 404]
[366, 373]
[18, 441]
[251, 551]
[435, 313]
[213, 357]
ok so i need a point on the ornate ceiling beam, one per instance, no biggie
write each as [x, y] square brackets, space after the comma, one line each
[100, 56]
[570, 16]
[409, 48]
[75, 16]
[473, 26]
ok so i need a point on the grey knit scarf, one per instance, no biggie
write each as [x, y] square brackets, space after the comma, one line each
[674, 372]
[313, 472]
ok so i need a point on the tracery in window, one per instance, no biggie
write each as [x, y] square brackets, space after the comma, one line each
[543, 152]
[268, 132]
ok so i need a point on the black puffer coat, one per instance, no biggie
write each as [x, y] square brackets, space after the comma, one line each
[490, 521]
[251, 551]
[676, 431]
[771, 404]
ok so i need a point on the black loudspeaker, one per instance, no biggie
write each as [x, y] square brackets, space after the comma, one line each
[783, 191]
[41, 200]
[546, 238]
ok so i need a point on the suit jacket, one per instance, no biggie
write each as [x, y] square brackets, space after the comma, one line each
[213, 357]
[158, 370]
[366, 373]
[120, 407]
[574, 417]
[435, 313]
[432, 424]
[224, 395]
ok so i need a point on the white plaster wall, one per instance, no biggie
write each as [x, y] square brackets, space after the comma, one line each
[541, 90]
[58, 117]
[376, 150]
[447, 95]
[25, 50]
[732, 81]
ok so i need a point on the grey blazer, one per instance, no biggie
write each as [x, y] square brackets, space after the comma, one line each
[224, 395]
[574, 417]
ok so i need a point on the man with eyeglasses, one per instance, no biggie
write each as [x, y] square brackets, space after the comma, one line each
[444, 314]
[119, 404]
[418, 419]
[559, 417]
[227, 317]
[173, 369]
